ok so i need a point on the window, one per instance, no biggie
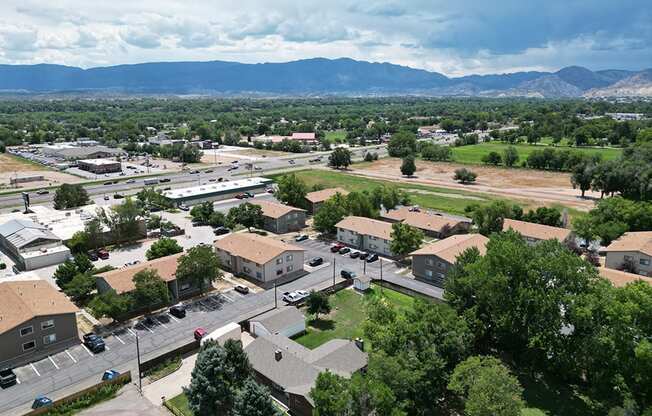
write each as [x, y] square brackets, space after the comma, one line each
[278, 272]
[289, 257]
[428, 273]
[441, 265]
[184, 286]
[644, 262]
[440, 275]
[371, 237]
[373, 246]
[47, 324]
[430, 262]
[279, 260]
[49, 339]
[259, 275]
[26, 331]
[29, 346]
[628, 258]
[290, 268]
[246, 269]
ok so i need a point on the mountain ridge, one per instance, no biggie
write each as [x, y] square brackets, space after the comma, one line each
[316, 76]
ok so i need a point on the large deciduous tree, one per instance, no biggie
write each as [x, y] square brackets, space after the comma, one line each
[291, 190]
[70, 196]
[248, 215]
[340, 158]
[163, 247]
[254, 400]
[330, 213]
[200, 265]
[408, 167]
[151, 290]
[317, 303]
[405, 239]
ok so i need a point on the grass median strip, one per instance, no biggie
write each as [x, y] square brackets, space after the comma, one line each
[164, 369]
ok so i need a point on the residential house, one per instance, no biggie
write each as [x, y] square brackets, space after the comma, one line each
[365, 234]
[287, 321]
[31, 245]
[533, 233]
[280, 218]
[290, 369]
[433, 262]
[434, 225]
[36, 320]
[316, 198]
[620, 278]
[632, 251]
[122, 280]
[263, 259]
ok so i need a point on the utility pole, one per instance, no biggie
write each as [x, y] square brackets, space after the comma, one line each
[381, 274]
[140, 379]
[333, 271]
[275, 296]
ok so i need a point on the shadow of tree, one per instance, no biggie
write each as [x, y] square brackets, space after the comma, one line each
[322, 324]
[554, 397]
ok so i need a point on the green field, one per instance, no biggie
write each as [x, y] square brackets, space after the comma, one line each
[336, 136]
[473, 153]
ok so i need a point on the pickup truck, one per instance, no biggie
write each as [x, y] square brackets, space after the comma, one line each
[7, 378]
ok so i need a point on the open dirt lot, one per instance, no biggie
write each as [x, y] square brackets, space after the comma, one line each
[11, 167]
[551, 187]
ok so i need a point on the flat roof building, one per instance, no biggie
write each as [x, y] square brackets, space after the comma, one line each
[99, 166]
[81, 152]
[31, 245]
[215, 191]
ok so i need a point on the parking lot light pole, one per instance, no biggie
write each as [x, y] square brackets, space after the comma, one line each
[381, 274]
[333, 272]
[275, 296]
[140, 379]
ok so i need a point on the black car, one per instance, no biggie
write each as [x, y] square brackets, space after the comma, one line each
[208, 171]
[92, 256]
[248, 195]
[221, 231]
[347, 274]
[344, 250]
[94, 342]
[178, 311]
[372, 258]
[316, 261]
[241, 289]
[163, 180]
[42, 192]
[363, 255]
[354, 254]
[7, 378]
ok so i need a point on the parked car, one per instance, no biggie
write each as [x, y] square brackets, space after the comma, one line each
[336, 247]
[208, 171]
[108, 183]
[291, 297]
[344, 250]
[103, 254]
[347, 274]
[7, 378]
[41, 401]
[240, 196]
[94, 342]
[220, 179]
[42, 192]
[363, 255]
[92, 256]
[163, 180]
[199, 333]
[316, 261]
[194, 172]
[106, 197]
[354, 254]
[241, 289]
[269, 190]
[248, 195]
[257, 168]
[232, 168]
[178, 311]
[372, 258]
[302, 293]
[184, 208]
[221, 231]
[118, 196]
[301, 237]
[131, 181]
[110, 375]
[291, 162]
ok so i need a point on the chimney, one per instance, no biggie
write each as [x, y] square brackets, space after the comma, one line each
[278, 354]
[359, 342]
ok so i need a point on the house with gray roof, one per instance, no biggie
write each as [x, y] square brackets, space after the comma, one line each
[31, 245]
[287, 321]
[290, 369]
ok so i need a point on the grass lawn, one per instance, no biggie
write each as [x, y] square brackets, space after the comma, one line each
[347, 315]
[473, 153]
[180, 404]
[336, 136]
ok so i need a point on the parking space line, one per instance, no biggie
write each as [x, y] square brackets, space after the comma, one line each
[71, 357]
[231, 300]
[118, 338]
[87, 350]
[17, 380]
[53, 363]
[160, 322]
[106, 347]
[132, 332]
[147, 328]
[173, 318]
[35, 370]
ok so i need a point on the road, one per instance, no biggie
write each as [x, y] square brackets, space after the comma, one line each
[185, 179]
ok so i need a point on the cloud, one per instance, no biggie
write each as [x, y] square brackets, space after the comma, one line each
[18, 39]
[141, 37]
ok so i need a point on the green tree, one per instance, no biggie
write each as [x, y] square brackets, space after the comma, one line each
[150, 289]
[486, 387]
[402, 143]
[408, 167]
[463, 175]
[217, 219]
[340, 158]
[489, 218]
[111, 305]
[404, 239]
[163, 247]
[360, 204]
[330, 395]
[334, 210]
[317, 303]
[545, 216]
[79, 242]
[291, 190]
[82, 263]
[510, 156]
[199, 265]
[612, 217]
[67, 270]
[219, 373]
[492, 158]
[201, 213]
[95, 233]
[70, 196]
[254, 400]
[247, 215]
[582, 177]
[124, 221]
[80, 287]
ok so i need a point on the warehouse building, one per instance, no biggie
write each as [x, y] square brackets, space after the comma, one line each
[99, 166]
[31, 245]
[82, 152]
[216, 192]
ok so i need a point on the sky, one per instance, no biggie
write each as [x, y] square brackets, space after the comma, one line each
[455, 38]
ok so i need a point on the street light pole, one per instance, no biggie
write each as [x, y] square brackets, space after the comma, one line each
[275, 296]
[381, 274]
[140, 379]
[333, 271]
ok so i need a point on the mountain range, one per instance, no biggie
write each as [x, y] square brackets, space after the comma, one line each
[316, 77]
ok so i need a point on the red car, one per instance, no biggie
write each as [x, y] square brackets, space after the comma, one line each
[103, 254]
[337, 247]
[241, 196]
[199, 334]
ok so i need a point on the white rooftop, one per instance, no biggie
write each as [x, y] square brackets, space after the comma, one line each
[213, 188]
[99, 161]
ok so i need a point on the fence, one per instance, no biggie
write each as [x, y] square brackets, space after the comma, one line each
[180, 351]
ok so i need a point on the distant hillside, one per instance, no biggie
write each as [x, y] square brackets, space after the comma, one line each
[312, 77]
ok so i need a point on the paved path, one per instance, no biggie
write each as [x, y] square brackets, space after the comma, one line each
[127, 403]
[171, 385]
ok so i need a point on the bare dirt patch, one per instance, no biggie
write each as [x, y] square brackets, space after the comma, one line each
[12, 167]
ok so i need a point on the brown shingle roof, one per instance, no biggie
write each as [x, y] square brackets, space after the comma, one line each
[449, 248]
[254, 247]
[619, 278]
[367, 226]
[324, 194]
[122, 280]
[21, 301]
[633, 241]
[275, 210]
[536, 231]
[422, 220]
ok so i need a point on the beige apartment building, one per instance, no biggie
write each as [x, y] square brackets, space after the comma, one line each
[365, 234]
[632, 251]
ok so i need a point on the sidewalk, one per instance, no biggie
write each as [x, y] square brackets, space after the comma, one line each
[171, 385]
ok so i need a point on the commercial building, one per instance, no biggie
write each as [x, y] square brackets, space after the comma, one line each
[434, 225]
[290, 370]
[316, 198]
[69, 152]
[287, 321]
[99, 166]
[533, 233]
[122, 280]
[36, 320]
[216, 192]
[280, 218]
[631, 252]
[305, 138]
[25, 179]
[263, 259]
[433, 262]
[619, 278]
[31, 245]
[365, 234]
